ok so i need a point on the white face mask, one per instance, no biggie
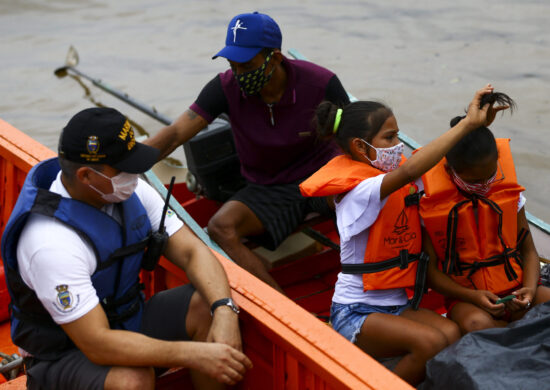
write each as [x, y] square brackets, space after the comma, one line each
[123, 184]
[387, 159]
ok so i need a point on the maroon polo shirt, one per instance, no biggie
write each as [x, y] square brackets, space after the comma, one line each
[277, 144]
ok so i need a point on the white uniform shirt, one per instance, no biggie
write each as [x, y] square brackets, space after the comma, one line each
[51, 254]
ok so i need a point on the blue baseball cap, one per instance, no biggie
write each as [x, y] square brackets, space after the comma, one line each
[247, 34]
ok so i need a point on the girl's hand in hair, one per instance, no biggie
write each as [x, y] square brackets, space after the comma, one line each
[492, 112]
[477, 116]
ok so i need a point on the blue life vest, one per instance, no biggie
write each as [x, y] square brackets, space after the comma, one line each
[118, 248]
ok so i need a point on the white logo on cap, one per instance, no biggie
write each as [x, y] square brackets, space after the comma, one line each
[237, 26]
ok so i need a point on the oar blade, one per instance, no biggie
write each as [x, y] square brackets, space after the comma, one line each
[72, 57]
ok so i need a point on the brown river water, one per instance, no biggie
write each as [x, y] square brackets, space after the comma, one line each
[424, 58]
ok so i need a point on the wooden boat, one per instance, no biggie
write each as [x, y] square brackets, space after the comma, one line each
[286, 337]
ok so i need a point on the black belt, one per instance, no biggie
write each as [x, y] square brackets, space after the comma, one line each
[402, 261]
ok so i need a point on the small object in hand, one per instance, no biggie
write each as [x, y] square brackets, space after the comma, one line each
[528, 305]
[505, 299]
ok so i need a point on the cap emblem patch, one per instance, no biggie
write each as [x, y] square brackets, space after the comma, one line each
[92, 145]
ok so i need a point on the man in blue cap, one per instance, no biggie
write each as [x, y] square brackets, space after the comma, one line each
[270, 101]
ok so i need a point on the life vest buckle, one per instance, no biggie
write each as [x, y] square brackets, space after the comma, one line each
[413, 199]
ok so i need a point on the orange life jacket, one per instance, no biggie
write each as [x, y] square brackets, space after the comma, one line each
[483, 254]
[394, 244]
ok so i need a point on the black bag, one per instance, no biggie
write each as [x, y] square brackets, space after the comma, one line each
[515, 357]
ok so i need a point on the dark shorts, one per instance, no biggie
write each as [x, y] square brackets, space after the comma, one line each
[163, 318]
[280, 208]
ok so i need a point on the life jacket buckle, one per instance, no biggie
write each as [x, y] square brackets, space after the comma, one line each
[413, 199]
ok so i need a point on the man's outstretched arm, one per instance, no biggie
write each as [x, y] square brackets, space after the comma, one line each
[180, 131]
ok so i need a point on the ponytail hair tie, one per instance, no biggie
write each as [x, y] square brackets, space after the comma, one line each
[337, 120]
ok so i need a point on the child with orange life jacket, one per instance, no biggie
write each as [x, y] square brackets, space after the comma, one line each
[473, 211]
[376, 203]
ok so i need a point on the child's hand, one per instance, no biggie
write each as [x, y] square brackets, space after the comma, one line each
[477, 116]
[486, 300]
[525, 296]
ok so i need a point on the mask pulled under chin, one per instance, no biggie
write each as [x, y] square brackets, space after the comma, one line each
[387, 159]
[124, 185]
[480, 189]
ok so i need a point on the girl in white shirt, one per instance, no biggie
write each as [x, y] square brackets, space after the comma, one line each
[371, 309]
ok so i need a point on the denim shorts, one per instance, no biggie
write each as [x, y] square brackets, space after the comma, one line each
[348, 319]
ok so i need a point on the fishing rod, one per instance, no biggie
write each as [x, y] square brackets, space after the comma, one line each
[70, 67]
[411, 143]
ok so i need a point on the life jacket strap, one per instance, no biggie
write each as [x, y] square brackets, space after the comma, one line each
[121, 253]
[36, 319]
[502, 258]
[110, 305]
[402, 261]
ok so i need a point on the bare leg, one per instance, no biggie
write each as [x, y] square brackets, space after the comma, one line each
[386, 335]
[470, 317]
[130, 378]
[542, 295]
[450, 329]
[233, 221]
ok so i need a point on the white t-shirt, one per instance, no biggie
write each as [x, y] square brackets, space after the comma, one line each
[50, 254]
[355, 213]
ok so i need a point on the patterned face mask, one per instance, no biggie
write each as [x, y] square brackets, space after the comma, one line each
[387, 159]
[479, 189]
[252, 82]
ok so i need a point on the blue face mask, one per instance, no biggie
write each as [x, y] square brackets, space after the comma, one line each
[252, 82]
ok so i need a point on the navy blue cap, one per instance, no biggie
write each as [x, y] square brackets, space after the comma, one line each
[102, 135]
[247, 34]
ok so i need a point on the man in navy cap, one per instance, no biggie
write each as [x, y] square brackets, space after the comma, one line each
[270, 101]
[73, 250]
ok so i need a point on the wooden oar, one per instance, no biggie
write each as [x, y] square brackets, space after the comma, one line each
[70, 66]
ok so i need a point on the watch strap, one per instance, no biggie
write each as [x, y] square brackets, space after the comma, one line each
[224, 302]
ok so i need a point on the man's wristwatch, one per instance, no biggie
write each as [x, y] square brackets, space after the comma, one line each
[224, 302]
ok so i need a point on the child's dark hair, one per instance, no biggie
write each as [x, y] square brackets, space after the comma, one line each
[479, 144]
[361, 119]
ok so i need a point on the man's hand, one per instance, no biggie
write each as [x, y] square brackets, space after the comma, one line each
[486, 300]
[220, 361]
[225, 328]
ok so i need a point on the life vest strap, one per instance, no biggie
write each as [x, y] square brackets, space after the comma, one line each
[121, 253]
[37, 319]
[402, 261]
[110, 305]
